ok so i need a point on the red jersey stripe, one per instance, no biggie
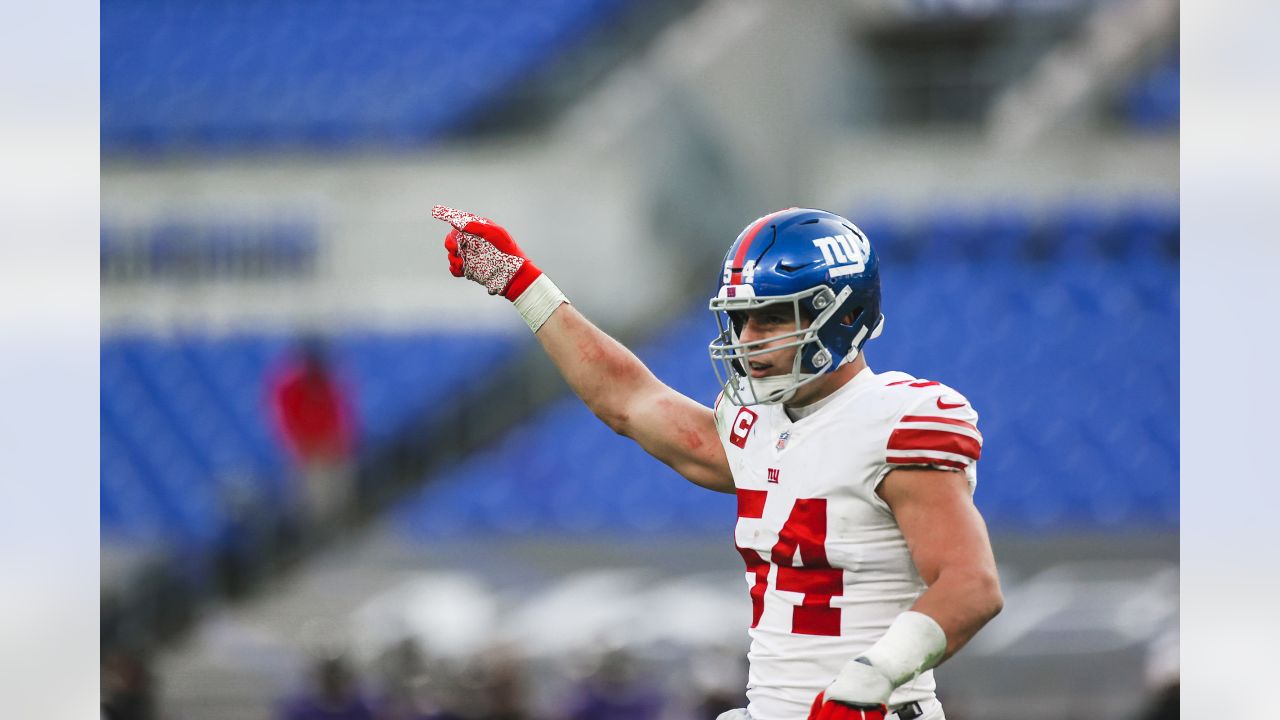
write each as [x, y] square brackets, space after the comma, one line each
[937, 419]
[939, 440]
[924, 461]
[751, 503]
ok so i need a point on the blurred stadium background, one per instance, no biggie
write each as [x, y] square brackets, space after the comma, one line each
[268, 169]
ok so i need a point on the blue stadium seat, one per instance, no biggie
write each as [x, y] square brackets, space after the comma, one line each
[1077, 231]
[185, 420]
[1004, 230]
[895, 240]
[244, 73]
[129, 510]
[952, 235]
[1152, 102]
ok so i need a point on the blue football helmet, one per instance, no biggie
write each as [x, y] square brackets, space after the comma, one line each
[824, 268]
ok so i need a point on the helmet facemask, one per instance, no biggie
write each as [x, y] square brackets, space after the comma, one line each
[730, 357]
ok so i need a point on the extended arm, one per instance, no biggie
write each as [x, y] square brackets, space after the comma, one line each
[624, 394]
[608, 377]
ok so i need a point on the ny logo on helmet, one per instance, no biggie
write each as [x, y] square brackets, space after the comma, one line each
[845, 254]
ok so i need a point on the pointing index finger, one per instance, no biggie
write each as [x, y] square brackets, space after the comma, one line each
[457, 218]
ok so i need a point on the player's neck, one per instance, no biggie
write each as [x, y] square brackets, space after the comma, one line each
[824, 387]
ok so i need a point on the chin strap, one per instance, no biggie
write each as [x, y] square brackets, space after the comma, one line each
[879, 328]
[875, 333]
[776, 389]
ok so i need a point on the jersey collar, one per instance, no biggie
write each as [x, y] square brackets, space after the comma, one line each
[864, 376]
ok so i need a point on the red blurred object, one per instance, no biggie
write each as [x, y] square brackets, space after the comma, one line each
[312, 411]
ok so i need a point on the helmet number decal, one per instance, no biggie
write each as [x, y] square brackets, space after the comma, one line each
[748, 271]
[845, 254]
[741, 428]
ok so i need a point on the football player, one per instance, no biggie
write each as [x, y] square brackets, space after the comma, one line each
[867, 562]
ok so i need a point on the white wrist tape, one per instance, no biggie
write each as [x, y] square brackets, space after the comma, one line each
[538, 301]
[912, 644]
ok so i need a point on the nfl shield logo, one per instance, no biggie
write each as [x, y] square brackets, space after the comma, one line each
[782, 439]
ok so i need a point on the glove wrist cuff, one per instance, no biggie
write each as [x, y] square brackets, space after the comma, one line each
[521, 280]
[537, 299]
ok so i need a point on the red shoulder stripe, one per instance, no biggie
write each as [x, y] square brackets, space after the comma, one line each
[893, 460]
[937, 440]
[938, 419]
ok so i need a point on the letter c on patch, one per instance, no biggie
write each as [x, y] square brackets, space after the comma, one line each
[742, 427]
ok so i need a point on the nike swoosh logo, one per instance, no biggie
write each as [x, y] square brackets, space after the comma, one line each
[948, 406]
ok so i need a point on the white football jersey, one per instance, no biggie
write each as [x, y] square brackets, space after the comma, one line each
[827, 565]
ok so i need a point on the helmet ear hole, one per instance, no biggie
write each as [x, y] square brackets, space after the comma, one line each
[737, 318]
[851, 317]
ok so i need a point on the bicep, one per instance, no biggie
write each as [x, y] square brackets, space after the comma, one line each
[681, 433]
[628, 398]
[942, 527]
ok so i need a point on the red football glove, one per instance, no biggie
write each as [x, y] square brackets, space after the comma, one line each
[834, 710]
[481, 250]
